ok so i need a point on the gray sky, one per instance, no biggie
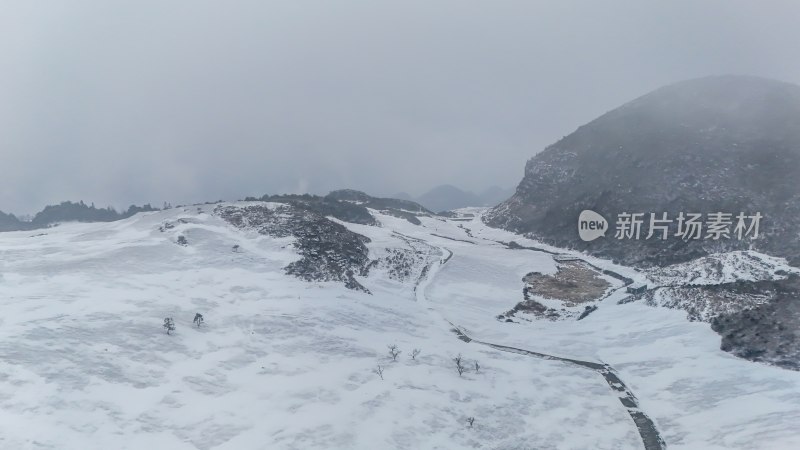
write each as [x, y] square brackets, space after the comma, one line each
[144, 101]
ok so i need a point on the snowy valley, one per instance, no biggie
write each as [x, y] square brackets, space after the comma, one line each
[294, 359]
[350, 225]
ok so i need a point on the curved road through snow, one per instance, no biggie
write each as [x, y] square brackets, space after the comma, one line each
[651, 438]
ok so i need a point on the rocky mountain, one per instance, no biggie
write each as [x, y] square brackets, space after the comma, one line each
[725, 144]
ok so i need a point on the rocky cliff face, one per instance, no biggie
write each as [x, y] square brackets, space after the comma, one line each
[720, 144]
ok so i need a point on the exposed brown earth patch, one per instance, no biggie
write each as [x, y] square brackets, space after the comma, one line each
[574, 283]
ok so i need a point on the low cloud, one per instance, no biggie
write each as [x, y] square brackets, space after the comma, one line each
[199, 100]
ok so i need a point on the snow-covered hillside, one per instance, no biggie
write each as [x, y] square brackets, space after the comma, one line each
[722, 268]
[283, 363]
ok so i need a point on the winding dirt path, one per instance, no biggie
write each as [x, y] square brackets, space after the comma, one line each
[651, 438]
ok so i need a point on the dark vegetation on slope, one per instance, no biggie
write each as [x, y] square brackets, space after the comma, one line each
[10, 222]
[80, 212]
[330, 252]
[323, 206]
[350, 206]
[353, 196]
[769, 332]
[404, 209]
[68, 212]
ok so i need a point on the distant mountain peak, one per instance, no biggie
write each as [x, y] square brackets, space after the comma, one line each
[447, 197]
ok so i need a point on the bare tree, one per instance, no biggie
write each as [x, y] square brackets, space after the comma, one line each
[379, 371]
[394, 352]
[236, 248]
[470, 421]
[198, 319]
[477, 367]
[169, 324]
[415, 353]
[459, 360]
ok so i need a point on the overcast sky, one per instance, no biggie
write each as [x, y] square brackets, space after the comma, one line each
[147, 101]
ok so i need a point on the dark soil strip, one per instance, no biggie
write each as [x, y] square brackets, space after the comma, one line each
[454, 239]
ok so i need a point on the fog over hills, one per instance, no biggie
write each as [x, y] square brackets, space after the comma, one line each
[447, 197]
[360, 225]
[68, 211]
[718, 144]
[295, 285]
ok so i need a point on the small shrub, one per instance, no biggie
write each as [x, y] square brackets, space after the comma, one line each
[394, 352]
[459, 360]
[169, 324]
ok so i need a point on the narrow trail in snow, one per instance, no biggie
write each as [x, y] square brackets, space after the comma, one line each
[651, 438]
[648, 432]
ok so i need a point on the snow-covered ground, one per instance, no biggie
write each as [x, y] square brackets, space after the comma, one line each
[699, 396]
[282, 363]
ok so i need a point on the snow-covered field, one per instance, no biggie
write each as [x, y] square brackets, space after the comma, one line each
[285, 364]
[699, 396]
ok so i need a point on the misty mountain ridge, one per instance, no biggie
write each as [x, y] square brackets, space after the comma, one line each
[345, 204]
[716, 144]
[447, 197]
